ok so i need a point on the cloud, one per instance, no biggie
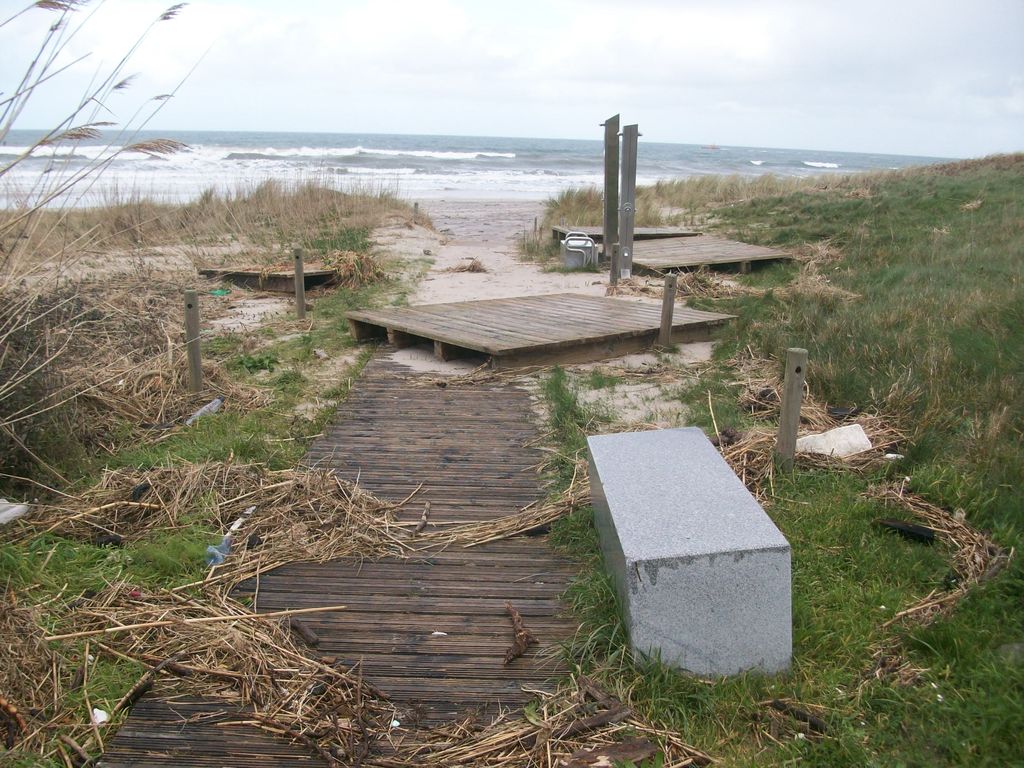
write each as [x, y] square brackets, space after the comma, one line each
[924, 77]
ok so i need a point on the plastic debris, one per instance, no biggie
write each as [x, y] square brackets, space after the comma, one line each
[211, 407]
[839, 442]
[910, 531]
[439, 634]
[395, 723]
[320, 354]
[140, 490]
[99, 717]
[10, 511]
[220, 291]
[217, 553]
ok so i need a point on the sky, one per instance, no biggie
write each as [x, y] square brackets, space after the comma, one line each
[941, 78]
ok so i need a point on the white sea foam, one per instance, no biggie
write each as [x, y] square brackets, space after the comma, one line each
[757, 162]
[814, 164]
[298, 152]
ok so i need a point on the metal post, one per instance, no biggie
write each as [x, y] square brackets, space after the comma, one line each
[192, 351]
[668, 305]
[627, 202]
[792, 395]
[300, 285]
[611, 185]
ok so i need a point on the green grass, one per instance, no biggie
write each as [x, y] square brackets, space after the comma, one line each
[935, 342]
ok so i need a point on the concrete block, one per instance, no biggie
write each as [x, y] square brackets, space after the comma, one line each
[702, 572]
[839, 442]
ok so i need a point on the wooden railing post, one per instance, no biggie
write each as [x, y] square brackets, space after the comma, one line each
[792, 395]
[611, 185]
[300, 285]
[668, 304]
[194, 354]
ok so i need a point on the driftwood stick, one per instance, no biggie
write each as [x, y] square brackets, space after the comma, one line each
[814, 722]
[198, 620]
[303, 630]
[616, 714]
[75, 747]
[524, 638]
[423, 519]
[140, 688]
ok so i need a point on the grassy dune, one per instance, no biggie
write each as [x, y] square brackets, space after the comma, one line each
[910, 300]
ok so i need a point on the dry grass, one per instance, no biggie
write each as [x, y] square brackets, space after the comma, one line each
[103, 361]
[470, 265]
[198, 641]
[751, 454]
[976, 558]
[354, 270]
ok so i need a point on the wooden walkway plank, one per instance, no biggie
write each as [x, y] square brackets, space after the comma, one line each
[639, 233]
[431, 630]
[533, 328]
[707, 250]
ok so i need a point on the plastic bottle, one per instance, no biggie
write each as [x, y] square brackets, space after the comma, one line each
[211, 407]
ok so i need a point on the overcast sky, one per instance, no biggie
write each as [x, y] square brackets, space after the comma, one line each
[935, 77]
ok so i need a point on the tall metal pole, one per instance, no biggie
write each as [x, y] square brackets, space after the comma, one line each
[627, 204]
[611, 185]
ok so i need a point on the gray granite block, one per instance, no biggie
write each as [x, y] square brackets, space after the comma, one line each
[702, 572]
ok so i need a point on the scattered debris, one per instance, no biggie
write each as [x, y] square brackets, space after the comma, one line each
[10, 511]
[976, 557]
[907, 530]
[524, 638]
[610, 755]
[211, 407]
[14, 724]
[973, 205]
[840, 442]
[303, 630]
[472, 265]
[814, 722]
[423, 520]
[99, 716]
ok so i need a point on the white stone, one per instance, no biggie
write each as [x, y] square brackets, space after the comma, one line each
[702, 573]
[839, 442]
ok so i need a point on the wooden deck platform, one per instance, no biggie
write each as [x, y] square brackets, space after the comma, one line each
[707, 250]
[280, 281]
[469, 450]
[533, 330]
[639, 233]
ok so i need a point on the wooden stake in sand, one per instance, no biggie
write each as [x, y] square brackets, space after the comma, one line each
[792, 396]
[300, 284]
[195, 360]
[668, 303]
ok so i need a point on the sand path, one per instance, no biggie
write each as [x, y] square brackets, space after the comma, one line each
[488, 230]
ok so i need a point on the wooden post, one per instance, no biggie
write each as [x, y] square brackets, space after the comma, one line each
[627, 205]
[792, 395]
[192, 351]
[668, 305]
[613, 275]
[611, 185]
[300, 285]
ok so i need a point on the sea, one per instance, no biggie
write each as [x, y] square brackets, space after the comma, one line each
[415, 167]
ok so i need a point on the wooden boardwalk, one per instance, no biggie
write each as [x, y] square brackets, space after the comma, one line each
[639, 233]
[706, 250]
[533, 330]
[430, 631]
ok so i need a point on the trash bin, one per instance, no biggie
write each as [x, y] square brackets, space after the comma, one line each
[578, 250]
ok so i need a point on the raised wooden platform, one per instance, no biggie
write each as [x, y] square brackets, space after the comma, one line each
[639, 233]
[707, 250]
[533, 330]
[278, 281]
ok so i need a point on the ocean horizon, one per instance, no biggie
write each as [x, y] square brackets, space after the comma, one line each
[412, 166]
